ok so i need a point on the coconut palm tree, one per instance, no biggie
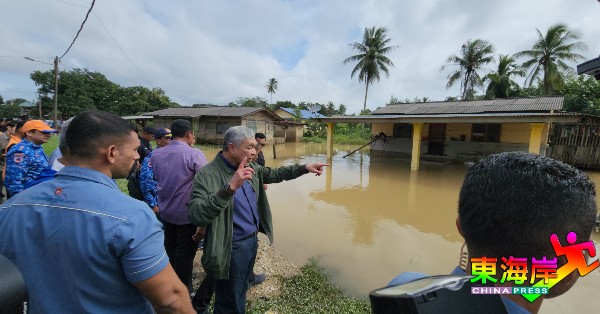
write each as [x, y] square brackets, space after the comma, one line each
[271, 86]
[371, 57]
[474, 55]
[548, 55]
[500, 83]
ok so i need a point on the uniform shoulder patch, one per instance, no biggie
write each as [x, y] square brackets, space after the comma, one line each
[18, 157]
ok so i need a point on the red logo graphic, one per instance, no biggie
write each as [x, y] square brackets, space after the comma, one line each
[58, 191]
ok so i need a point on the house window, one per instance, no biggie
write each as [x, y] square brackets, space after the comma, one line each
[251, 124]
[402, 130]
[486, 132]
[222, 127]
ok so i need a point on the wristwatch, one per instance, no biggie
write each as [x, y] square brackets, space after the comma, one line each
[228, 189]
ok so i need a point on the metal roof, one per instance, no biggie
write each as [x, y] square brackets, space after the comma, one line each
[591, 67]
[533, 104]
[216, 111]
[494, 117]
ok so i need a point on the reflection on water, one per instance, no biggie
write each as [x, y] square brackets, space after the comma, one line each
[370, 218]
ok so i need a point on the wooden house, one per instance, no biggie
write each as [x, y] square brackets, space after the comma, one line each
[210, 123]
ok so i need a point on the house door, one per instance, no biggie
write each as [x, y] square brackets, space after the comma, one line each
[437, 137]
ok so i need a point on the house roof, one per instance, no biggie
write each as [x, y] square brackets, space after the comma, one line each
[493, 117]
[304, 114]
[216, 111]
[27, 105]
[533, 104]
[591, 67]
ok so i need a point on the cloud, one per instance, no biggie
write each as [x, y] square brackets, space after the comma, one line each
[217, 51]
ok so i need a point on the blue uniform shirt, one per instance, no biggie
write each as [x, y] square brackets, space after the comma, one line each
[80, 242]
[148, 182]
[24, 162]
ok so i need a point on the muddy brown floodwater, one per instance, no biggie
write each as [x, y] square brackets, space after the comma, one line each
[371, 218]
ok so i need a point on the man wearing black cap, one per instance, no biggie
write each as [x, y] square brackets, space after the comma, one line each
[145, 137]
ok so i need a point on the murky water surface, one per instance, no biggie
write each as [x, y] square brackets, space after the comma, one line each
[371, 218]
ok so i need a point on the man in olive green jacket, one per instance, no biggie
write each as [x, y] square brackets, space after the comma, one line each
[228, 198]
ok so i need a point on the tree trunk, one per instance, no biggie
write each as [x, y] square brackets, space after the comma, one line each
[366, 91]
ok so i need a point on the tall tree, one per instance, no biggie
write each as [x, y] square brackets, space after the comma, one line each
[548, 56]
[371, 58]
[271, 86]
[501, 84]
[474, 55]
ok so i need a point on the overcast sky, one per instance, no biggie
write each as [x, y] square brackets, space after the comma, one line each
[202, 51]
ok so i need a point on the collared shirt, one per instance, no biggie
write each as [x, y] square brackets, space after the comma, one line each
[245, 213]
[174, 167]
[24, 162]
[148, 182]
[80, 243]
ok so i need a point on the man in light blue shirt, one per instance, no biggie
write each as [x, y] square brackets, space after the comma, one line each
[82, 245]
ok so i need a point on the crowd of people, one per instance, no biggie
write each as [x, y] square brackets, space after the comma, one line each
[84, 246]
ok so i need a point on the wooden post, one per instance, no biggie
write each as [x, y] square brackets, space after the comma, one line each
[416, 149]
[535, 138]
[274, 151]
[329, 140]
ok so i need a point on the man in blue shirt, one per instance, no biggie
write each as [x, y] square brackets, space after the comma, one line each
[82, 245]
[26, 160]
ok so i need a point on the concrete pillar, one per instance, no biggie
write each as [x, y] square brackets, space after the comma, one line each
[535, 138]
[416, 149]
[329, 140]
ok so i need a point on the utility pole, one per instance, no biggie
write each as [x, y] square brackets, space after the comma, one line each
[54, 114]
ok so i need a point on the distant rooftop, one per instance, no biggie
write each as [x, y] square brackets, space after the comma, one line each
[304, 114]
[215, 111]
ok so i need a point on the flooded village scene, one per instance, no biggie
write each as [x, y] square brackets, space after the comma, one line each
[296, 156]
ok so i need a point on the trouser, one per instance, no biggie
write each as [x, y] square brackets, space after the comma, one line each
[181, 249]
[230, 294]
[204, 294]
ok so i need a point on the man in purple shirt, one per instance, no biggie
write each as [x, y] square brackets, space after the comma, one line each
[175, 166]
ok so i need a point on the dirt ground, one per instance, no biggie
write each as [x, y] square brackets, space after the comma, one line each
[268, 261]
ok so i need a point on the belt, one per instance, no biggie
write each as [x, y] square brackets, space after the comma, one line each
[251, 235]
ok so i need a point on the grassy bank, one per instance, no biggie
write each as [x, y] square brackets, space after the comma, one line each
[310, 291]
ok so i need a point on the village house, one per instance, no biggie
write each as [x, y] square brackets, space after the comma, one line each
[466, 130]
[294, 122]
[210, 123]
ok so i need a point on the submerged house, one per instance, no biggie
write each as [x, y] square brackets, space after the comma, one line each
[292, 128]
[210, 123]
[462, 129]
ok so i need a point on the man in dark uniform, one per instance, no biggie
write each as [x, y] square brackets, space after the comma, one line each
[261, 140]
[145, 137]
[133, 179]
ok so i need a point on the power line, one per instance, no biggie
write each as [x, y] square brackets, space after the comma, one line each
[80, 28]
[122, 51]
[114, 41]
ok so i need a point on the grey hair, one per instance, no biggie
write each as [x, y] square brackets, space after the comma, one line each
[236, 135]
[62, 142]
